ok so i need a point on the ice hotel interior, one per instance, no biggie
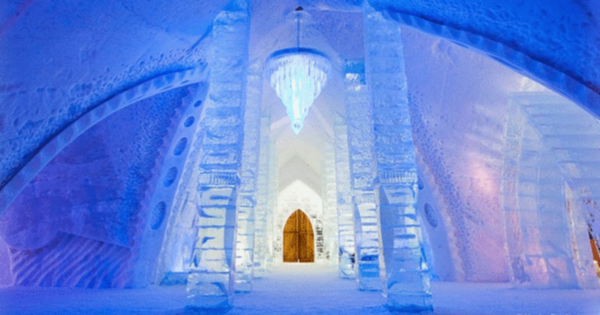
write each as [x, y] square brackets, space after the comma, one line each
[300, 157]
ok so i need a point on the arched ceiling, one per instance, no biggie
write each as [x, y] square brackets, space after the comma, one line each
[60, 59]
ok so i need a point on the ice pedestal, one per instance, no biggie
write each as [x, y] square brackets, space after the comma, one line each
[359, 117]
[405, 271]
[211, 275]
[345, 210]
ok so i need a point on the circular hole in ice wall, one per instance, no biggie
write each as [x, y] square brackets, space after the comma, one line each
[420, 183]
[158, 215]
[189, 121]
[197, 104]
[170, 177]
[180, 146]
[430, 214]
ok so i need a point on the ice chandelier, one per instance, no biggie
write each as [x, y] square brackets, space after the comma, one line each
[297, 75]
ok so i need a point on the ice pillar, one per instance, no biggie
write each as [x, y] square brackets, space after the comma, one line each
[344, 201]
[330, 230]
[211, 277]
[247, 196]
[406, 274]
[359, 117]
[272, 205]
[262, 198]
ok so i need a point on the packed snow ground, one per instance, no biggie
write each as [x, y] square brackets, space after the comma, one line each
[301, 289]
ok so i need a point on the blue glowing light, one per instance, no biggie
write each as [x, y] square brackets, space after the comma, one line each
[297, 75]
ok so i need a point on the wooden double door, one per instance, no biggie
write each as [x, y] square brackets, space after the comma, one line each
[298, 239]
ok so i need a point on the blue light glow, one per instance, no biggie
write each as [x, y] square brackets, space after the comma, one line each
[298, 75]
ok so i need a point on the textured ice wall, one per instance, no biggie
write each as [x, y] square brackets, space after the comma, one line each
[78, 222]
[459, 101]
[59, 60]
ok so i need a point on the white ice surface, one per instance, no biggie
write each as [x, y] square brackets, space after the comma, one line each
[302, 289]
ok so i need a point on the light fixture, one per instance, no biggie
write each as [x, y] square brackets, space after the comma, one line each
[297, 75]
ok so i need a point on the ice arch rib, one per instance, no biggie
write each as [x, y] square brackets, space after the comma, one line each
[554, 42]
[61, 140]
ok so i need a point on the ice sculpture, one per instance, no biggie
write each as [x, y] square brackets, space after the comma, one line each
[211, 277]
[346, 241]
[246, 202]
[548, 164]
[407, 284]
[359, 116]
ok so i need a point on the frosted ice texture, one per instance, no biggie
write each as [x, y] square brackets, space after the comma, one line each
[359, 116]
[262, 199]
[546, 181]
[346, 235]
[272, 205]
[328, 189]
[211, 278]
[246, 202]
[407, 284]
[166, 188]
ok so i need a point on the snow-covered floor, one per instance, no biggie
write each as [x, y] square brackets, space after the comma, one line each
[301, 289]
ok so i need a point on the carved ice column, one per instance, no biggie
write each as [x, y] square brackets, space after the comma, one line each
[272, 206]
[344, 201]
[359, 116]
[330, 229]
[262, 199]
[211, 277]
[407, 279]
[247, 196]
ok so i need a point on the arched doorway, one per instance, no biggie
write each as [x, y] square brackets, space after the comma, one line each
[298, 239]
